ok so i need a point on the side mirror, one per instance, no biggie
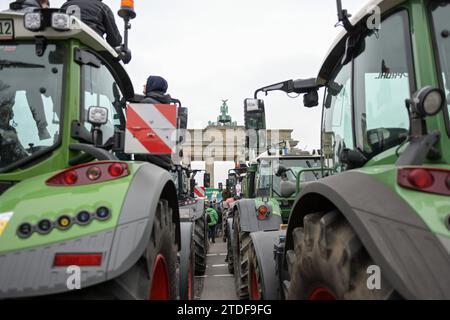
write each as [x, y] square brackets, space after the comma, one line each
[281, 171]
[311, 99]
[255, 115]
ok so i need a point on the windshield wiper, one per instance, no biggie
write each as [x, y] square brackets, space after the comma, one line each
[18, 64]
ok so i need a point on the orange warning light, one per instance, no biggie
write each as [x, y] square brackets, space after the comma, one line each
[127, 3]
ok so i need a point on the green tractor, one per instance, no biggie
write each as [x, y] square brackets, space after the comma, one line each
[276, 181]
[75, 211]
[379, 227]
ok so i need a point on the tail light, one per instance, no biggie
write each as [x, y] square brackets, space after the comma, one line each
[89, 174]
[429, 180]
[80, 260]
[263, 212]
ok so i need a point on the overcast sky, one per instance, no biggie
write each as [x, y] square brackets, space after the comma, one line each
[210, 50]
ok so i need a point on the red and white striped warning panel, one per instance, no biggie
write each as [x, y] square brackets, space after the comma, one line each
[151, 129]
[200, 192]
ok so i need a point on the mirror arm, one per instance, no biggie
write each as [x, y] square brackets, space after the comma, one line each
[285, 86]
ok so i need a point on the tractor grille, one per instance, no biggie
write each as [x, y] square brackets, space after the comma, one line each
[5, 186]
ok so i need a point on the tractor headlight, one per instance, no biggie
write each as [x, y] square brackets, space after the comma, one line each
[428, 101]
[60, 21]
[98, 116]
[33, 21]
[433, 102]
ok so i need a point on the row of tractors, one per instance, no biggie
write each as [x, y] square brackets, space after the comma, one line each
[366, 218]
[369, 216]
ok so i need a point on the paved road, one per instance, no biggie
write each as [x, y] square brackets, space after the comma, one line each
[218, 284]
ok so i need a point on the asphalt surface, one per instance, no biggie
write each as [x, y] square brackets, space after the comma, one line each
[217, 283]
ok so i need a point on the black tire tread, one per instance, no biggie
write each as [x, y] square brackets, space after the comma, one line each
[327, 252]
[200, 246]
[242, 245]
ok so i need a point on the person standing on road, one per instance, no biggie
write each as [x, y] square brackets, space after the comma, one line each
[99, 17]
[212, 223]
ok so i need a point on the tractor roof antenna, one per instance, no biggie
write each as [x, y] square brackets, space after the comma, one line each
[127, 13]
[343, 17]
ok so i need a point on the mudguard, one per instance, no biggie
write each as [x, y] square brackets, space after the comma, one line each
[186, 229]
[414, 260]
[264, 243]
[249, 221]
[138, 213]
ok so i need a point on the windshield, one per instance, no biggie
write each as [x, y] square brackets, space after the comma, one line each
[30, 101]
[441, 12]
[382, 81]
[295, 166]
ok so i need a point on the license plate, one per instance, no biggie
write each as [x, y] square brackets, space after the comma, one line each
[6, 29]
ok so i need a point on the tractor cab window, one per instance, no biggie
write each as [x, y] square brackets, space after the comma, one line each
[30, 102]
[440, 14]
[100, 89]
[263, 177]
[337, 130]
[383, 80]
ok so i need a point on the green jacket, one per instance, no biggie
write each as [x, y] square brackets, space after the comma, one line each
[214, 217]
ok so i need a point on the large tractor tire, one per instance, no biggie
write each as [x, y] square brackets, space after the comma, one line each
[329, 262]
[200, 245]
[254, 276]
[187, 262]
[241, 247]
[155, 275]
[230, 255]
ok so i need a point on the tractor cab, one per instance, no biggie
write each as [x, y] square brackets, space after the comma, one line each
[278, 179]
[63, 94]
[379, 107]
